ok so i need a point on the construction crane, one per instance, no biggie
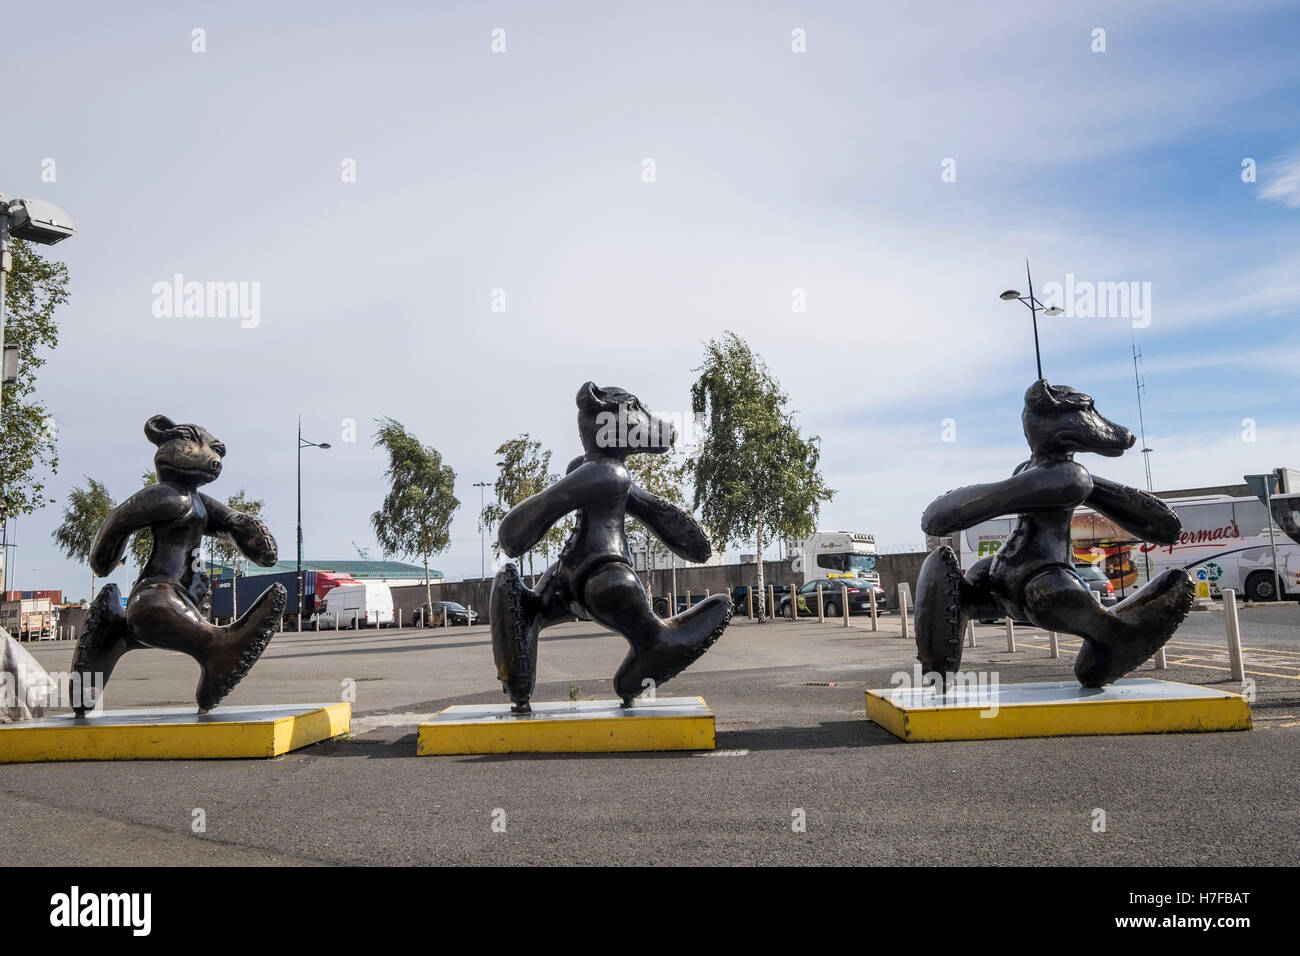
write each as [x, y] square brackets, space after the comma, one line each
[364, 552]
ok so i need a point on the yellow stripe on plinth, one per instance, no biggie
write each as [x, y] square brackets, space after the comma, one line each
[1131, 706]
[174, 733]
[673, 723]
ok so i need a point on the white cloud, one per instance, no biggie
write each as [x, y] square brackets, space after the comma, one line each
[1284, 181]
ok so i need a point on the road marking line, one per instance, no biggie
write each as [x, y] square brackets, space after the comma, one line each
[1195, 661]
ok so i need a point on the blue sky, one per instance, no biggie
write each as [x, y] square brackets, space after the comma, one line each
[775, 171]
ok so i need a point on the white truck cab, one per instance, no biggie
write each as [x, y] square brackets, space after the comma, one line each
[848, 554]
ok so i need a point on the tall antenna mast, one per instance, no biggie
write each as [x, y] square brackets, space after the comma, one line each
[1141, 387]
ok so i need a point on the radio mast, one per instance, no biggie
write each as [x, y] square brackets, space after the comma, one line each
[1141, 385]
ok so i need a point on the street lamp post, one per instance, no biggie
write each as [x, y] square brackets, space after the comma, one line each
[43, 223]
[301, 445]
[482, 486]
[1033, 305]
[36, 221]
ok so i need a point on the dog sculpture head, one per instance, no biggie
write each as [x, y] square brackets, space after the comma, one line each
[1059, 420]
[614, 423]
[187, 454]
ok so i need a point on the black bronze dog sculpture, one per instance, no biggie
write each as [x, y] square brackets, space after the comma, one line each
[1032, 577]
[163, 607]
[593, 578]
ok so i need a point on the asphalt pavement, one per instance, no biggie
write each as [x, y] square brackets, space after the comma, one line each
[793, 744]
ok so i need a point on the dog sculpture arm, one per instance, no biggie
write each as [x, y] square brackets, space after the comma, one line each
[250, 536]
[674, 527]
[1062, 484]
[155, 504]
[1142, 514]
[529, 520]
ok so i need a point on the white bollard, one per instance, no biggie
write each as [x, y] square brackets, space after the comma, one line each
[970, 632]
[399, 618]
[749, 600]
[1011, 634]
[875, 626]
[902, 609]
[1234, 634]
[844, 602]
[1161, 662]
[794, 603]
[821, 609]
[1053, 645]
[356, 620]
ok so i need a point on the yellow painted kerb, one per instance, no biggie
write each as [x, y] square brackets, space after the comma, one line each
[96, 740]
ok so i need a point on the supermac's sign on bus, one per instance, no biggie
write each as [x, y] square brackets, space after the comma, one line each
[989, 544]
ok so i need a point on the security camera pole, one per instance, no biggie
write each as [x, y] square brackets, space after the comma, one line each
[6, 264]
[36, 221]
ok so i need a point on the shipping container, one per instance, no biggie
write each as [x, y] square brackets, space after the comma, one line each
[248, 588]
[54, 597]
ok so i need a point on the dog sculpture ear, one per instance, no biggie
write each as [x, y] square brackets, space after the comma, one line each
[592, 398]
[159, 429]
[1039, 396]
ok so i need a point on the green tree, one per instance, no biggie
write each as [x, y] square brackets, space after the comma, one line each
[662, 476]
[755, 477]
[523, 470]
[35, 289]
[142, 540]
[415, 518]
[86, 510]
[225, 551]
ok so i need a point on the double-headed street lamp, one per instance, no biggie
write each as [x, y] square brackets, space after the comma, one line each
[1033, 305]
[301, 445]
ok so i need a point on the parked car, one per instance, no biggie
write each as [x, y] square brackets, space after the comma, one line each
[1097, 580]
[355, 605]
[457, 615]
[740, 596]
[859, 597]
[660, 604]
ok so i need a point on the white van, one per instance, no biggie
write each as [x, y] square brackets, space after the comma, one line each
[365, 604]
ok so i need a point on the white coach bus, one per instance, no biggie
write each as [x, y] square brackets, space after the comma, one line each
[1224, 543]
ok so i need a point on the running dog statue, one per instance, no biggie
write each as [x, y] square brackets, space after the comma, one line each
[163, 607]
[593, 578]
[1032, 577]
